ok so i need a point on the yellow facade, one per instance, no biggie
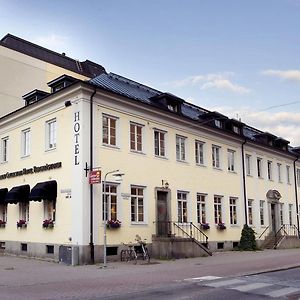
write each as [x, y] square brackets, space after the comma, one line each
[141, 169]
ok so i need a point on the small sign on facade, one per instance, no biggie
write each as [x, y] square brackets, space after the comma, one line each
[95, 177]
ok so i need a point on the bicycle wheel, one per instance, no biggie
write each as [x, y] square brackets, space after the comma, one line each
[133, 256]
[123, 255]
[146, 255]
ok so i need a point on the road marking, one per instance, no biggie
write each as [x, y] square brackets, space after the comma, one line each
[224, 283]
[282, 292]
[250, 286]
[203, 278]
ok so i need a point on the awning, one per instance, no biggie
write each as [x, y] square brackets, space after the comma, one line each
[18, 194]
[44, 191]
[3, 193]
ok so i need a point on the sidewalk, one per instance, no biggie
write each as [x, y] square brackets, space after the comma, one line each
[23, 278]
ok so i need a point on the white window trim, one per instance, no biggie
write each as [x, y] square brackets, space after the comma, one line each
[182, 154]
[144, 222]
[47, 134]
[231, 160]
[3, 140]
[135, 132]
[25, 151]
[198, 146]
[108, 144]
[217, 163]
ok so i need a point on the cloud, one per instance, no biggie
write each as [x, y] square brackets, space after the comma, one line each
[289, 75]
[281, 124]
[52, 41]
[220, 81]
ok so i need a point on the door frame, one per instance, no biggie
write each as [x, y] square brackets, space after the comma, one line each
[168, 192]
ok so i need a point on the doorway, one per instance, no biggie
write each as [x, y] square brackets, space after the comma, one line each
[162, 213]
[273, 217]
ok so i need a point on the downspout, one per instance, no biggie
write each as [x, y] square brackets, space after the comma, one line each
[296, 195]
[92, 252]
[244, 182]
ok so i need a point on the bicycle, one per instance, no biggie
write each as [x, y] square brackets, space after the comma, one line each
[142, 249]
[129, 253]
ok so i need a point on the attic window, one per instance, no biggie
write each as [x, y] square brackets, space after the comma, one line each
[236, 129]
[218, 123]
[173, 107]
[58, 87]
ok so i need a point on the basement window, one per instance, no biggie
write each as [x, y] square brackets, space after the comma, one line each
[24, 247]
[112, 251]
[49, 249]
[2, 245]
[220, 246]
[235, 244]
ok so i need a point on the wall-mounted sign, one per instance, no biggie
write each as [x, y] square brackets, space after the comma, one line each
[95, 177]
[76, 129]
[125, 196]
[32, 170]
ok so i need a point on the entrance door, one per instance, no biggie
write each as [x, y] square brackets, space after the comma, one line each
[163, 225]
[273, 218]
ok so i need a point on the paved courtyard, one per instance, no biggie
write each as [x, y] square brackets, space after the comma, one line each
[23, 278]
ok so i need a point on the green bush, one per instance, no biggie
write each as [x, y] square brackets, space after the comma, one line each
[247, 241]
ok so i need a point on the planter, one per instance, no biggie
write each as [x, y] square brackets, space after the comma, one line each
[2, 225]
[113, 226]
[21, 225]
[205, 226]
[221, 226]
[48, 226]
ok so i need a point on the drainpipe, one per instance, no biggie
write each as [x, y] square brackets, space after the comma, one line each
[92, 252]
[296, 195]
[244, 182]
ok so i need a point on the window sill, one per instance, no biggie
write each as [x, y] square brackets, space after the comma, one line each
[249, 175]
[232, 172]
[50, 149]
[161, 157]
[110, 146]
[260, 178]
[137, 152]
[4, 162]
[25, 156]
[217, 169]
[138, 223]
[235, 226]
[182, 161]
[201, 165]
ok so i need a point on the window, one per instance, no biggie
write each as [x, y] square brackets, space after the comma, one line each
[248, 164]
[236, 129]
[279, 172]
[233, 210]
[215, 156]
[4, 148]
[109, 209]
[270, 170]
[218, 123]
[288, 178]
[230, 154]
[24, 211]
[262, 212]
[281, 213]
[3, 213]
[180, 148]
[250, 211]
[51, 134]
[137, 204]
[182, 206]
[218, 209]
[26, 142]
[291, 214]
[201, 210]
[259, 167]
[136, 137]
[199, 152]
[109, 130]
[49, 249]
[298, 177]
[49, 209]
[159, 143]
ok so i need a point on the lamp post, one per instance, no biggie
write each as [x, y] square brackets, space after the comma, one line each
[116, 173]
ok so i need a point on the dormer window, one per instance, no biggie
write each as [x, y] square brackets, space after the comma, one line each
[61, 82]
[173, 107]
[236, 129]
[218, 123]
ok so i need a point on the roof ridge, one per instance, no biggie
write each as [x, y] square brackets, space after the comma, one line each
[132, 82]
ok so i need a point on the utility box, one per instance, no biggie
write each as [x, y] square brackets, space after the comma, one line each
[69, 255]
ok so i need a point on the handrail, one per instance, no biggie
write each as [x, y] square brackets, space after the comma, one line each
[263, 232]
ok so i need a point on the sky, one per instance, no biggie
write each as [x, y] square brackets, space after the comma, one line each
[237, 57]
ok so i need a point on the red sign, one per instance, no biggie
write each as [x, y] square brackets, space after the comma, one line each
[95, 177]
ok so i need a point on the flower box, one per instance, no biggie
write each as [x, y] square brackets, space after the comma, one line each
[221, 226]
[21, 224]
[48, 223]
[113, 224]
[204, 226]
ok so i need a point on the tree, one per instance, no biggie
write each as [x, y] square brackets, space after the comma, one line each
[247, 241]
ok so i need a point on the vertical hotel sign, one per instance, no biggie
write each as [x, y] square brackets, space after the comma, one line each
[76, 131]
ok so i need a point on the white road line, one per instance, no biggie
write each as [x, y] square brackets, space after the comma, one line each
[250, 286]
[224, 283]
[282, 292]
[203, 278]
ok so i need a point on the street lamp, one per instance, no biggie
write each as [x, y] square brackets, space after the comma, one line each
[116, 174]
